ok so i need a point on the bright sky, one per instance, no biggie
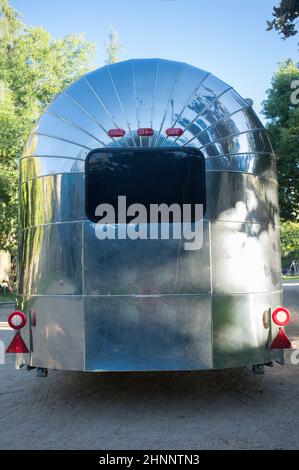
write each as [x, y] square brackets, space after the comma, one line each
[225, 37]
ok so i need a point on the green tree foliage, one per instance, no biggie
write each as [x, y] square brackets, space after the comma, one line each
[289, 236]
[285, 16]
[283, 127]
[113, 47]
[33, 69]
[12, 134]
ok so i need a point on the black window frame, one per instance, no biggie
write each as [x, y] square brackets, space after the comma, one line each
[192, 151]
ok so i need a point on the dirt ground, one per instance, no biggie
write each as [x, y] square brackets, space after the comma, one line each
[197, 410]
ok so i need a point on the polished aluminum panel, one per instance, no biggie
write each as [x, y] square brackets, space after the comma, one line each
[88, 96]
[137, 267]
[240, 121]
[63, 129]
[123, 84]
[34, 167]
[191, 79]
[51, 260]
[145, 78]
[167, 82]
[68, 109]
[46, 145]
[230, 102]
[58, 339]
[148, 333]
[260, 164]
[146, 85]
[225, 104]
[63, 199]
[248, 142]
[241, 197]
[239, 337]
[245, 257]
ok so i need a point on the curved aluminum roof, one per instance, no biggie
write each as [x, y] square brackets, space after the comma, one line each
[151, 93]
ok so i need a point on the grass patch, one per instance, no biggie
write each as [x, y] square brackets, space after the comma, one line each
[288, 278]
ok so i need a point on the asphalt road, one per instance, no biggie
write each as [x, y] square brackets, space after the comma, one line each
[202, 410]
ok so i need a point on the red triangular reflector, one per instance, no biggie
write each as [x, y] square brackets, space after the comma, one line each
[281, 341]
[17, 345]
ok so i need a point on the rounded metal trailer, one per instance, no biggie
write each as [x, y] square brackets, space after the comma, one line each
[148, 304]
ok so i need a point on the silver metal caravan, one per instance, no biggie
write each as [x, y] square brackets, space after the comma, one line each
[123, 305]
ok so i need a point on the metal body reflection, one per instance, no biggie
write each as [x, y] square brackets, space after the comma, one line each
[148, 304]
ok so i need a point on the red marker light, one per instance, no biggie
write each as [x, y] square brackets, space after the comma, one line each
[116, 132]
[17, 345]
[281, 316]
[17, 320]
[145, 132]
[174, 131]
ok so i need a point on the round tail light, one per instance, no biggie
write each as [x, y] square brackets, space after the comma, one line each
[17, 320]
[281, 316]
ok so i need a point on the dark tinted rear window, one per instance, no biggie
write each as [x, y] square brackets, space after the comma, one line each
[144, 176]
